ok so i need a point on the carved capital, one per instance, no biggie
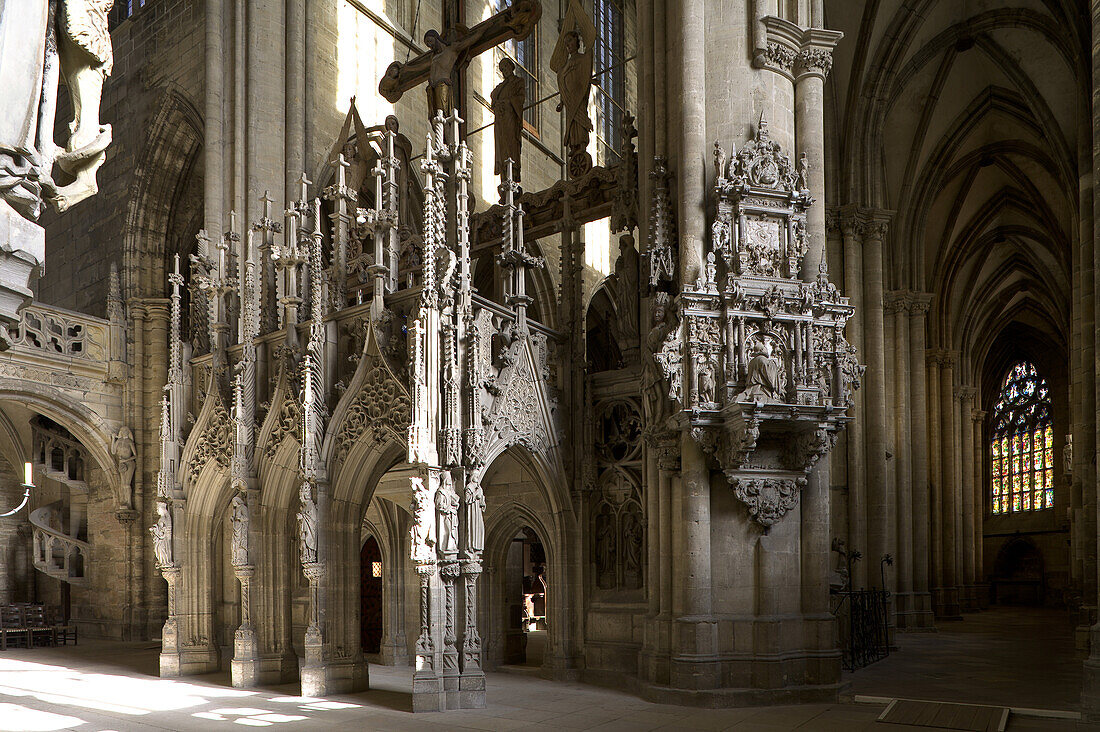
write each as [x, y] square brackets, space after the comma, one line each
[895, 301]
[816, 61]
[919, 303]
[978, 415]
[964, 393]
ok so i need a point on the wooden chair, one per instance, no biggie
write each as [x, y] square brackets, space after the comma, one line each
[13, 629]
[40, 629]
[63, 631]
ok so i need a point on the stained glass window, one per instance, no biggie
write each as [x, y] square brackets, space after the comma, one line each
[1023, 443]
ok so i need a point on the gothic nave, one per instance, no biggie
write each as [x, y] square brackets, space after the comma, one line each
[682, 363]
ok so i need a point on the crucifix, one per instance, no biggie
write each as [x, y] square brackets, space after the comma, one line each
[451, 51]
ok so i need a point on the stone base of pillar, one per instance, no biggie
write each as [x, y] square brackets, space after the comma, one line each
[562, 667]
[394, 654]
[244, 669]
[722, 698]
[450, 687]
[1090, 683]
[428, 694]
[969, 599]
[334, 677]
[471, 690]
[945, 602]
[188, 662]
[694, 661]
[981, 591]
[654, 658]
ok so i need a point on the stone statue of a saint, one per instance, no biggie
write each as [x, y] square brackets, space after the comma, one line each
[446, 507]
[572, 62]
[474, 515]
[1067, 456]
[162, 535]
[40, 41]
[240, 520]
[605, 549]
[422, 532]
[122, 445]
[762, 383]
[707, 383]
[507, 101]
[307, 525]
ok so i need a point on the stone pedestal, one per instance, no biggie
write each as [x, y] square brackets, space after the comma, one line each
[22, 250]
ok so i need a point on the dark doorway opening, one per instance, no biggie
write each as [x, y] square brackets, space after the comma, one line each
[525, 594]
[370, 571]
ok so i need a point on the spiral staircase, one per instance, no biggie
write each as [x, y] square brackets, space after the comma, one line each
[57, 550]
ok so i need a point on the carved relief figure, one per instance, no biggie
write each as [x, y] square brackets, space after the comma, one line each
[240, 520]
[423, 528]
[122, 445]
[763, 381]
[572, 61]
[652, 385]
[1067, 456]
[632, 549]
[707, 384]
[507, 101]
[446, 507]
[626, 271]
[162, 535]
[39, 40]
[474, 517]
[605, 548]
[307, 525]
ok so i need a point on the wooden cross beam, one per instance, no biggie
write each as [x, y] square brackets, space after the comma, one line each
[454, 50]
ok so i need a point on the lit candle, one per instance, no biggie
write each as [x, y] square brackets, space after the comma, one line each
[28, 474]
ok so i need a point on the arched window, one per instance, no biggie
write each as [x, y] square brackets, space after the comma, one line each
[1023, 443]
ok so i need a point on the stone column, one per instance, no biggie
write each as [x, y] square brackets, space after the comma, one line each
[981, 594]
[921, 487]
[902, 459]
[935, 475]
[966, 444]
[857, 487]
[950, 489]
[811, 67]
[879, 502]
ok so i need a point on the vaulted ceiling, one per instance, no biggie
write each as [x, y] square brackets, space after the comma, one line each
[970, 120]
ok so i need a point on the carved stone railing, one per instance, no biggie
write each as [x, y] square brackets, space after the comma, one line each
[60, 458]
[64, 333]
[56, 553]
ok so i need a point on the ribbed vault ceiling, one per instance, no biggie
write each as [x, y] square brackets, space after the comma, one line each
[968, 120]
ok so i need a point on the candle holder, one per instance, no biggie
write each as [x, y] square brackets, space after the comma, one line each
[28, 483]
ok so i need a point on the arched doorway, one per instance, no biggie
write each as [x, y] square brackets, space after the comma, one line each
[370, 568]
[525, 595]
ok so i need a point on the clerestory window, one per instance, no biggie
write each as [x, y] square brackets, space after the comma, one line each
[610, 92]
[123, 9]
[525, 55]
[1022, 443]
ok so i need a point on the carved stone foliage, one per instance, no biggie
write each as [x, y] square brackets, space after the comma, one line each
[517, 413]
[214, 442]
[381, 411]
[758, 364]
[768, 499]
[288, 422]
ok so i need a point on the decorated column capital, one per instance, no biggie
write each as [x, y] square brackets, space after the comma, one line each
[895, 301]
[978, 415]
[964, 393]
[919, 303]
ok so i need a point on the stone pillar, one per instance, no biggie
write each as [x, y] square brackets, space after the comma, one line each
[922, 616]
[949, 490]
[244, 669]
[811, 67]
[981, 588]
[935, 476]
[694, 663]
[903, 564]
[857, 487]
[879, 503]
[967, 580]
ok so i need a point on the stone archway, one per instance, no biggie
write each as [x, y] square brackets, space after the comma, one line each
[370, 594]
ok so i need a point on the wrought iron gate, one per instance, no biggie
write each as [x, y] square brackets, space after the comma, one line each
[863, 625]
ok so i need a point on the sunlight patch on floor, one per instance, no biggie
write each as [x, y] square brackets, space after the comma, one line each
[16, 718]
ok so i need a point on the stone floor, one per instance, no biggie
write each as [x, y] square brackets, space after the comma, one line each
[1020, 657]
[111, 687]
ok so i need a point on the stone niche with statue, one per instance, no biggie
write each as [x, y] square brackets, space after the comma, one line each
[758, 363]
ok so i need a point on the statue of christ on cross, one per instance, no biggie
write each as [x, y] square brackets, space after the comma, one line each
[453, 50]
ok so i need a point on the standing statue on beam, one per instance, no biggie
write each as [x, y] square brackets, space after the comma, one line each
[572, 61]
[507, 100]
